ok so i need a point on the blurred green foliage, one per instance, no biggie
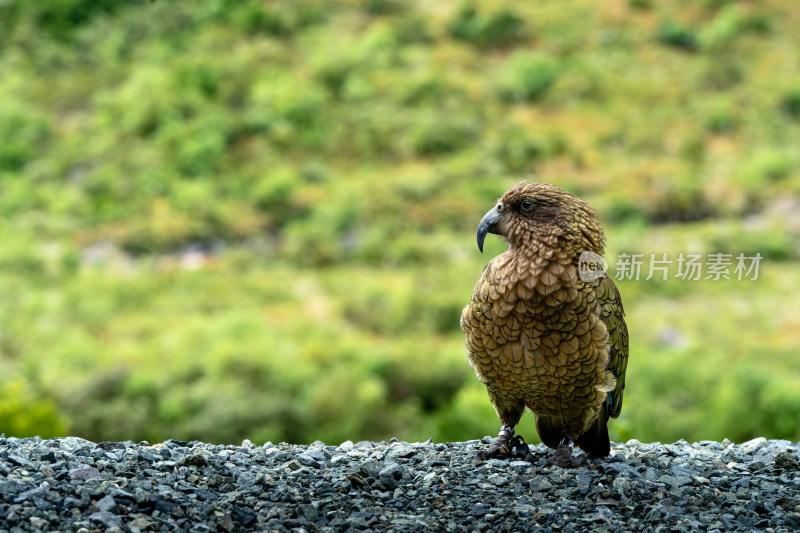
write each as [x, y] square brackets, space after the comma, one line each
[255, 219]
[22, 413]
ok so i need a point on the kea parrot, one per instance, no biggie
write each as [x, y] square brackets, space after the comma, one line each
[543, 330]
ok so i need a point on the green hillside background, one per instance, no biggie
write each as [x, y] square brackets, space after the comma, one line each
[241, 219]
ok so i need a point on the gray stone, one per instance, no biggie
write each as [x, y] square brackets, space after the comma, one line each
[309, 512]
[391, 473]
[622, 470]
[247, 480]
[785, 460]
[341, 458]
[400, 452]
[540, 484]
[479, 510]
[317, 455]
[369, 468]
[17, 460]
[84, 473]
[753, 445]
[498, 480]
[306, 460]
[196, 459]
[293, 465]
[38, 523]
[8, 486]
[244, 516]
[675, 481]
[107, 504]
[74, 443]
[28, 494]
[105, 518]
[141, 523]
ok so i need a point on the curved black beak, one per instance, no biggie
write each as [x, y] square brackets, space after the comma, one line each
[489, 224]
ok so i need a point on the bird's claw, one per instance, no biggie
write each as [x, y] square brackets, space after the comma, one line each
[498, 448]
[563, 457]
[503, 445]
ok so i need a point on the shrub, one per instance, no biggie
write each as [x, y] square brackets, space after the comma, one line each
[25, 133]
[527, 76]
[675, 35]
[61, 17]
[721, 73]
[501, 28]
[763, 167]
[25, 413]
[722, 118]
[293, 116]
[383, 7]
[517, 150]
[441, 135]
[258, 18]
[790, 103]
[723, 29]
[678, 201]
[730, 23]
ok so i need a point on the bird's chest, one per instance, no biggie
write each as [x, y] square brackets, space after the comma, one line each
[541, 316]
[541, 338]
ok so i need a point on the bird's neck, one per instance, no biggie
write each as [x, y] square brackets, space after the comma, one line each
[538, 250]
[544, 261]
[527, 261]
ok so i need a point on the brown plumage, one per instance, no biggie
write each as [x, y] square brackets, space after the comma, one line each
[537, 335]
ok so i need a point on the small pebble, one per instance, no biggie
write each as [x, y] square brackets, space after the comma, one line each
[75, 485]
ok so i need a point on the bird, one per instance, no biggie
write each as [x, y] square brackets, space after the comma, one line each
[545, 332]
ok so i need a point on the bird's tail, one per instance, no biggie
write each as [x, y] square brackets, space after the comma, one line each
[550, 430]
[594, 441]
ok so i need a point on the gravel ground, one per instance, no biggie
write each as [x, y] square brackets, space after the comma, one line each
[70, 484]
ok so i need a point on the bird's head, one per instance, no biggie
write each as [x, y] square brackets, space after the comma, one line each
[530, 215]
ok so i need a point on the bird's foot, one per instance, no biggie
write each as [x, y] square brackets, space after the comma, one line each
[563, 456]
[503, 445]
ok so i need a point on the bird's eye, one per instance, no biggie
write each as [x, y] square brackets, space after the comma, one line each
[526, 205]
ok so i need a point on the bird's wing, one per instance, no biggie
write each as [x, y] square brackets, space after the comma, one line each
[482, 333]
[613, 314]
[492, 331]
